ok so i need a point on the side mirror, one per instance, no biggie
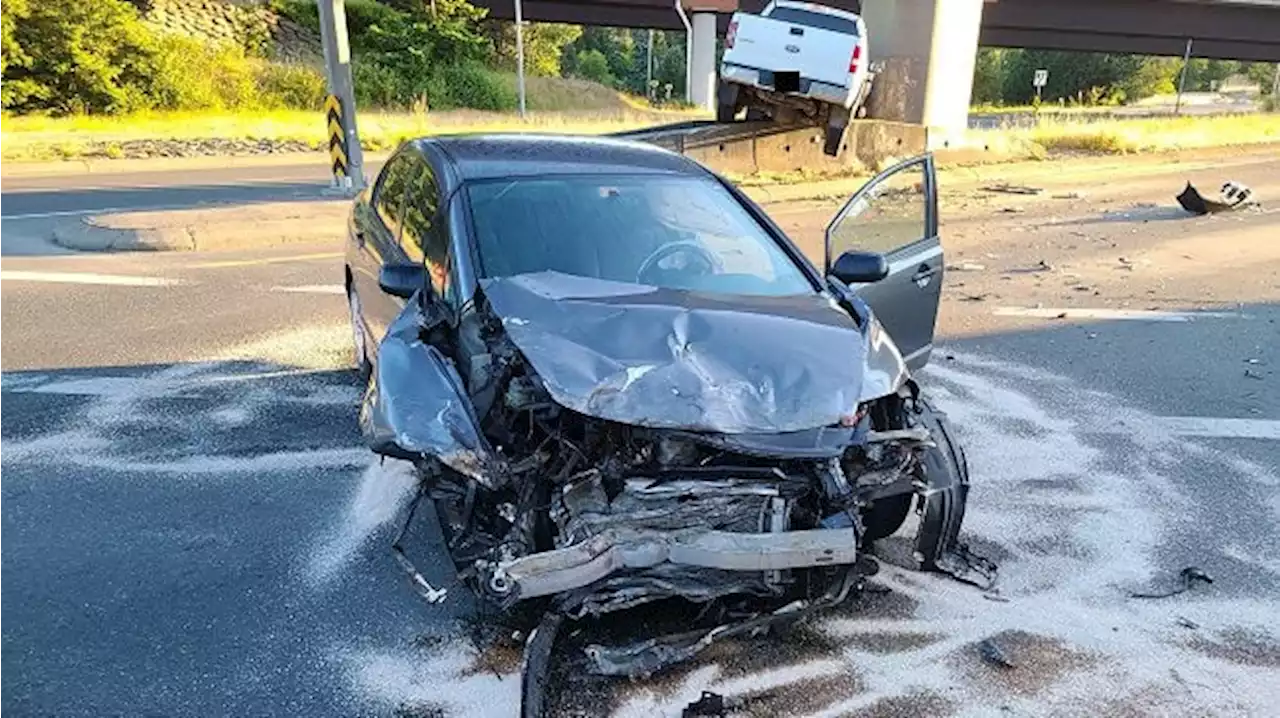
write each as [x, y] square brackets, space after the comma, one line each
[402, 280]
[860, 267]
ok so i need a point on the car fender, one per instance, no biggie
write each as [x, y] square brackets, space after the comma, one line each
[416, 408]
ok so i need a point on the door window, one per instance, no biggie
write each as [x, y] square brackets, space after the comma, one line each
[891, 213]
[388, 199]
[426, 238]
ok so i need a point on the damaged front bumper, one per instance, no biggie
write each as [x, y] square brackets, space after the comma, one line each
[582, 564]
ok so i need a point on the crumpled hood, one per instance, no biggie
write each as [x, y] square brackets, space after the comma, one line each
[684, 360]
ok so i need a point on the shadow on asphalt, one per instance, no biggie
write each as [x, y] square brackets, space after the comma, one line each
[18, 203]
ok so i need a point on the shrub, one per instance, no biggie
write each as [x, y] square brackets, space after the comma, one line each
[593, 65]
[476, 86]
[291, 85]
[77, 56]
[194, 75]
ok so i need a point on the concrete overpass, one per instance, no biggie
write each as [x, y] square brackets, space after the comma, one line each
[927, 48]
[1222, 29]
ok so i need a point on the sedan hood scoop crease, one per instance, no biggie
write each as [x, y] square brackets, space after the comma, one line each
[674, 359]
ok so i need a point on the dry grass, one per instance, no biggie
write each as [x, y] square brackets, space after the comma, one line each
[1149, 134]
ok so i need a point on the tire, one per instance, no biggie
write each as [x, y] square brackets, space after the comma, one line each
[727, 104]
[884, 517]
[946, 472]
[944, 465]
[359, 343]
[836, 124]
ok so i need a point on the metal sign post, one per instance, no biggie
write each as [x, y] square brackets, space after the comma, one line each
[1182, 78]
[340, 106]
[520, 53]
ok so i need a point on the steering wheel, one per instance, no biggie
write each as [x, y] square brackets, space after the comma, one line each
[703, 257]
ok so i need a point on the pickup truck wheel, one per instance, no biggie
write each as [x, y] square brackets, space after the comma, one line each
[727, 104]
[836, 124]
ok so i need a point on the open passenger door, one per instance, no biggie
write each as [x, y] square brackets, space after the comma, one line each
[896, 215]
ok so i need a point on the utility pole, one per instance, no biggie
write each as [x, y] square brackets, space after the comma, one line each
[520, 53]
[341, 107]
[1182, 78]
[648, 74]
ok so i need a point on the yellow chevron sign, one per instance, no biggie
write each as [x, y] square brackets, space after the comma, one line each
[337, 135]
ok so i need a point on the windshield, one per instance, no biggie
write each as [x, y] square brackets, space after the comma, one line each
[819, 20]
[664, 231]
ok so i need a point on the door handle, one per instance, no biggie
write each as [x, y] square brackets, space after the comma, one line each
[923, 275]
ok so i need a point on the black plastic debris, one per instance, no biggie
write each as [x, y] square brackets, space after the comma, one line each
[709, 704]
[1189, 576]
[1231, 195]
[992, 653]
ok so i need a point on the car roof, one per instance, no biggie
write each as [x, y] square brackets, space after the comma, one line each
[493, 156]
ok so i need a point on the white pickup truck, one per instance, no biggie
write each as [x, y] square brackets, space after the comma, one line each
[796, 59]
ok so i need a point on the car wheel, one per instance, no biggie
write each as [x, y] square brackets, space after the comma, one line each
[882, 518]
[943, 465]
[360, 352]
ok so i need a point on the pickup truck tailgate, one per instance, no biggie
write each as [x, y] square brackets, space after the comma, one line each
[768, 44]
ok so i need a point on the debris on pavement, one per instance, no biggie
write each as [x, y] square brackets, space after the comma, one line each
[1189, 576]
[1187, 623]
[710, 704]
[1012, 189]
[991, 652]
[1230, 196]
[966, 267]
[1251, 374]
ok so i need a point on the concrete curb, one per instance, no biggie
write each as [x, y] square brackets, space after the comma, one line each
[203, 229]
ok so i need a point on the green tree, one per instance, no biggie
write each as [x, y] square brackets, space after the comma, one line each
[592, 65]
[988, 76]
[11, 52]
[544, 45]
[77, 56]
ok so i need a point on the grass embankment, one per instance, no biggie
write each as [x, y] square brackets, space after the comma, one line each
[1147, 134]
[555, 105]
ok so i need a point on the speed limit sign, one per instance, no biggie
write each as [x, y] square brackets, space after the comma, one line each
[1041, 78]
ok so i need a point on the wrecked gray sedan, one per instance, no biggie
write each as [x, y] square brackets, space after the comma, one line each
[622, 383]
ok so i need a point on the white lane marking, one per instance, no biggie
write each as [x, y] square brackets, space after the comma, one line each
[1205, 427]
[312, 289]
[1144, 315]
[117, 280]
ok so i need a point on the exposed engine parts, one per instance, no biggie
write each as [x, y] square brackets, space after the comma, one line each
[568, 484]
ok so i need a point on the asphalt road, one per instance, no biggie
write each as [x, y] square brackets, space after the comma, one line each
[191, 526]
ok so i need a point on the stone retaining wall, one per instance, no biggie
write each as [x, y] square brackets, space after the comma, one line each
[248, 23]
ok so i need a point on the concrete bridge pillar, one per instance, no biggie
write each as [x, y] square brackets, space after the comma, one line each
[702, 48]
[928, 49]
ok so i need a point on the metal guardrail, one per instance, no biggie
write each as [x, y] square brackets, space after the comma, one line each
[694, 134]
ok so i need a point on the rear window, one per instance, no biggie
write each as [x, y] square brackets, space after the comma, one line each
[819, 20]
